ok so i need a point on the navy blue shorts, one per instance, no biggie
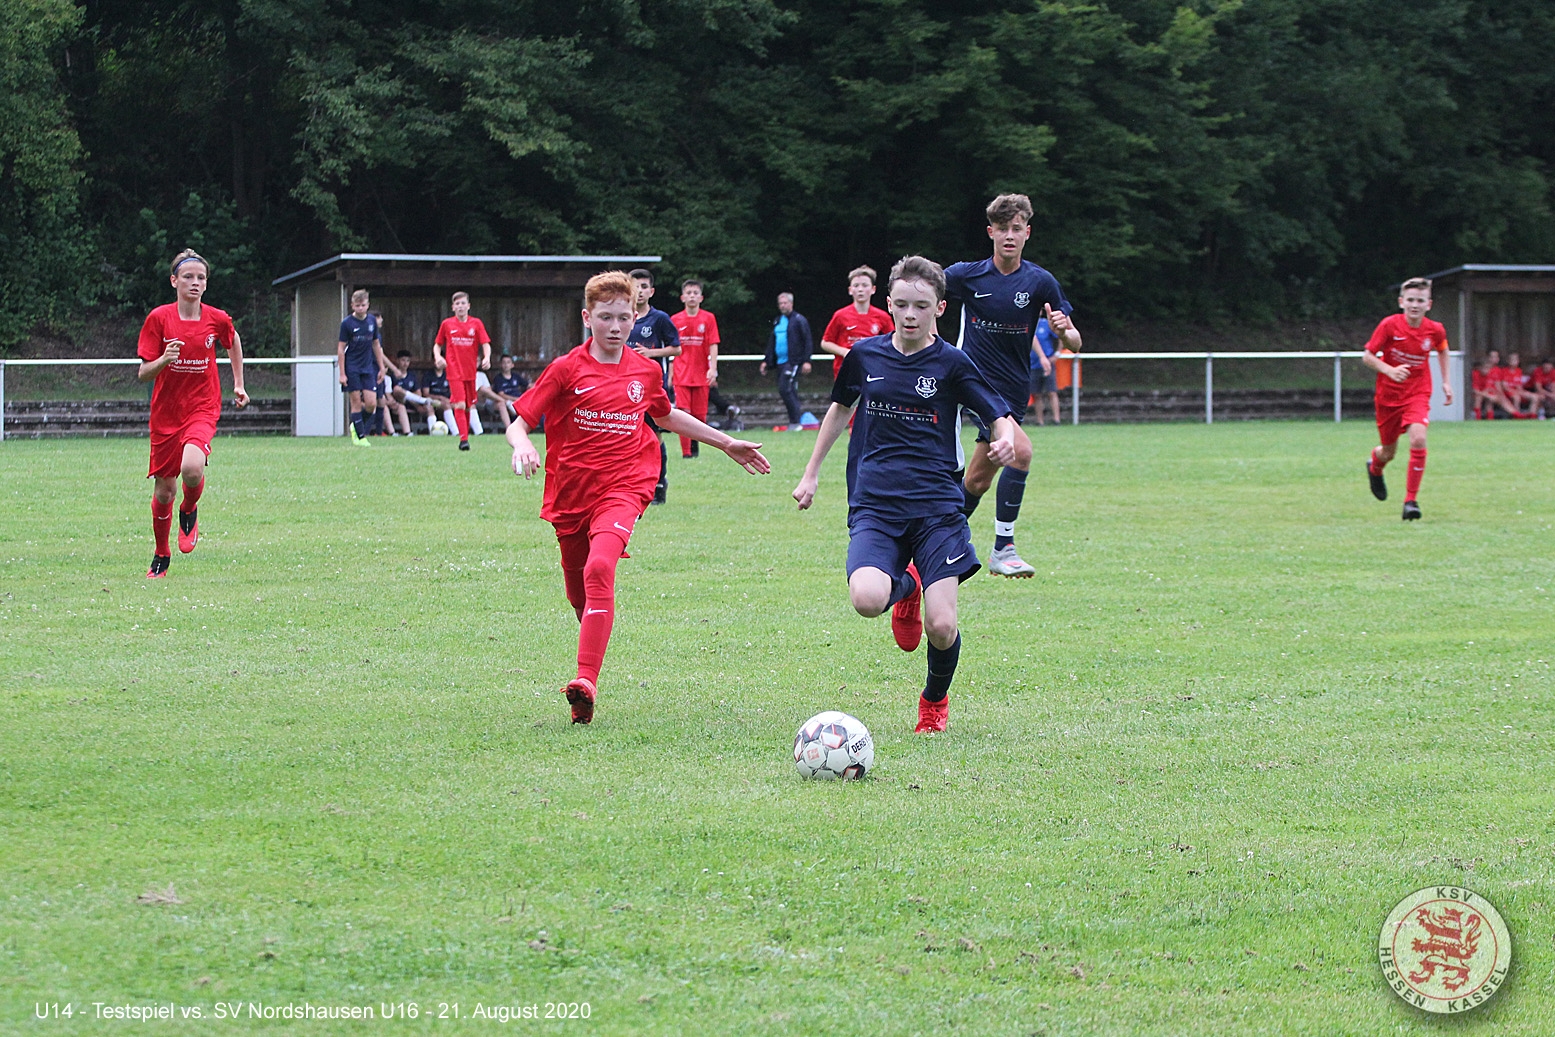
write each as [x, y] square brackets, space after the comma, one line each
[940, 545]
[1044, 383]
[362, 380]
[1014, 395]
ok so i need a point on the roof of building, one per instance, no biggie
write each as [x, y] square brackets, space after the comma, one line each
[409, 261]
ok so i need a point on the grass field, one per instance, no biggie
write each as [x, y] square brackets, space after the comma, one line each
[1240, 713]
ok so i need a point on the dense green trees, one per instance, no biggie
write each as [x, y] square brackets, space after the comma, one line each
[1218, 158]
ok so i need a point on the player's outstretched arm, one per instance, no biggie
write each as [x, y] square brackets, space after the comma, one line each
[746, 454]
[526, 459]
[833, 348]
[832, 427]
[1442, 363]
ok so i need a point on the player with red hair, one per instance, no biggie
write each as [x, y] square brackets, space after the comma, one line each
[602, 461]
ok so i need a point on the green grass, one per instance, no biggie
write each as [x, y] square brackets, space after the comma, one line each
[1241, 712]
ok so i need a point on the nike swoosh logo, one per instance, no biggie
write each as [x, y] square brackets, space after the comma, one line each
[584, 390]
[1399, 338]
[620, 527]
[877, 378]
[594, 612]
[953, 561]
[981, 295]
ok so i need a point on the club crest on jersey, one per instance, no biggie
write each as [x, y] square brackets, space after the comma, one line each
[634, 391]
[1022, 299]
[647, 330]
[926, 386]
[210, 341]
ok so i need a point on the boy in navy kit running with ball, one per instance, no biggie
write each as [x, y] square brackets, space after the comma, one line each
[909, 545]
[1001, 299]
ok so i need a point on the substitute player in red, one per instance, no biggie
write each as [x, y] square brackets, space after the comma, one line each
[602, 461]
[860, 319]
[697, 366]
[177, 351]
[460, 335]
[1398, 351]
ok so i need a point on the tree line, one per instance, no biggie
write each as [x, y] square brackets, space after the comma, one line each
[1211, 160]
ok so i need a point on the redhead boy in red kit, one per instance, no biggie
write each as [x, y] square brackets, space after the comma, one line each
[602, 461]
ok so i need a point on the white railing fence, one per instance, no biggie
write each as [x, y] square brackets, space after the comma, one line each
[318, 394]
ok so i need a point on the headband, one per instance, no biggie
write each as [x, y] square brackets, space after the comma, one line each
[191, 259]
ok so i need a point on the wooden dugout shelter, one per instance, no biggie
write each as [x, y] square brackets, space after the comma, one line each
[529, 304]
[1485, 307]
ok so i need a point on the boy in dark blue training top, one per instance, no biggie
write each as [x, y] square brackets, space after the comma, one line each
[359, 353]
[654, 336]
[909, 545]
[1001, 300]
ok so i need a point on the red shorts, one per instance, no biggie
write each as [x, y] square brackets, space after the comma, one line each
[617, 512]
[167, 450]
[462, 390]
[1393, 419]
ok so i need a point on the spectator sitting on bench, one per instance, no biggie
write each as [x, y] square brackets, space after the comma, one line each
[409, 390]
[510, 386]
[1514, 386]
[441, 399]
[1543, 384]
[1487, 390]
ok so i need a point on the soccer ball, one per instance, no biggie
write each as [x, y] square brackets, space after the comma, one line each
[833, 745]
[440, 429]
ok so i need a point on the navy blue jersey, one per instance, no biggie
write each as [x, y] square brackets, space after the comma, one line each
[438, 386]
[359, 336]
[410, 383]
[999, 315]
[902, 454]
[510, 385]
[655, 330]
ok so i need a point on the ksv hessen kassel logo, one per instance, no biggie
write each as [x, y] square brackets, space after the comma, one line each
[1445, 949]
[634, 391]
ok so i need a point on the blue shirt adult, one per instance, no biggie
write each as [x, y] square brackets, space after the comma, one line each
[799, 342]
[359, 334]
[780, 338]
[655, 330]
[1046, 341]
[902, 454]
[999, 314]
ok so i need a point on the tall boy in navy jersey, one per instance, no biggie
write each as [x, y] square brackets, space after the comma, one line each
[360, 355]
[909, 546]
[1001, 300]
[654, 336]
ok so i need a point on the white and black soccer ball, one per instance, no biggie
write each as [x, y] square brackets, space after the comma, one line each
[440, 429]
[833, 745]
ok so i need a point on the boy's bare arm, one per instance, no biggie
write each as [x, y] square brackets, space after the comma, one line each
[832, 427]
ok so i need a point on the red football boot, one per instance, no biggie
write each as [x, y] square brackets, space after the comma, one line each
[159, 564]
[580, 695]
[907, 615]
[932, 716]
[188, 530]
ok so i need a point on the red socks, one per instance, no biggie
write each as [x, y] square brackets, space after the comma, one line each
[462, 419]
[160, 524]
[1375, 464]
[589, 568]
[191, 496]
[1416, 473]
[599, 605]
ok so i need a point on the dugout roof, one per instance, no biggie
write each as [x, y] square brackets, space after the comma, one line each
[1508, 307]
[407, 270]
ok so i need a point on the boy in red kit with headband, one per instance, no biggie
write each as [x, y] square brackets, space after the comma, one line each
[177, 351]
[602, 461]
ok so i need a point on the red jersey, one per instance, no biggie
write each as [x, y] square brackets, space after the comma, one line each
[460, 341]
[1513, 377]
[1398, 344]
[188, 387]
[1543, 377]
[848, 325]
[696, 335]
[1481, 380]
[596, 443]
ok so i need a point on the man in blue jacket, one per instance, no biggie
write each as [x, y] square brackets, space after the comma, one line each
[788, 353]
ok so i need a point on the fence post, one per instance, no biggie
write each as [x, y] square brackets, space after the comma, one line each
[1074, 393]
[2, 401]
[1209, 388]
[1338, 406]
